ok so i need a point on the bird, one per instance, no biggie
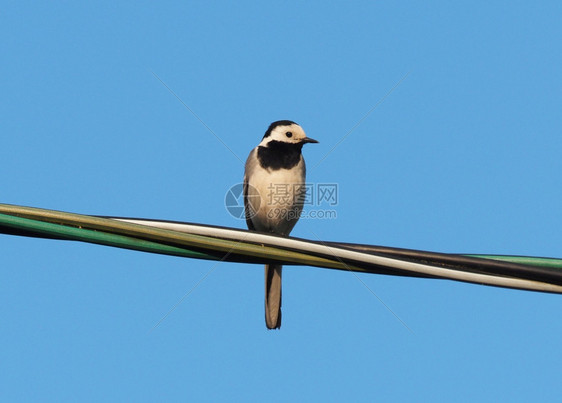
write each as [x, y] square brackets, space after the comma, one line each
[274, 194]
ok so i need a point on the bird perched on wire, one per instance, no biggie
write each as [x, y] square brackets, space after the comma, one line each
[274, 194]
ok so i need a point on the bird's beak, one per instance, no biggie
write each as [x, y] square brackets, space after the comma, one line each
[308, 140]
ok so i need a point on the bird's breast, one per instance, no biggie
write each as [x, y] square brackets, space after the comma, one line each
[281, 197]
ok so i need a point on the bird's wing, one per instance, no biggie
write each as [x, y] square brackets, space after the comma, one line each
[246, 208]
[250, 166]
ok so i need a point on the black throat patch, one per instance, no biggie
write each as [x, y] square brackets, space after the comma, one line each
[279, 154]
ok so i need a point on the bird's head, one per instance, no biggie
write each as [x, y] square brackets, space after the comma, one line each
[286, 131]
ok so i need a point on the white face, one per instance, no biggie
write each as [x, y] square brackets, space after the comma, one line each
[288, 134]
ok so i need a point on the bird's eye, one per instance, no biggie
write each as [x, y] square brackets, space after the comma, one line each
[289, 134]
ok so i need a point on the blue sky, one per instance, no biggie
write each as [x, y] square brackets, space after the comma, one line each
[462, 156]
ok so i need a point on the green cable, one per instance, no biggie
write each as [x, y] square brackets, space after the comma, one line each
[99, 237]
[528, 260]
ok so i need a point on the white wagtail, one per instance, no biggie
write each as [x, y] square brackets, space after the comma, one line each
[274, 193]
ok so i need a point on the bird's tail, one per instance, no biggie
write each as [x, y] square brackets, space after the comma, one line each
[273, 296]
